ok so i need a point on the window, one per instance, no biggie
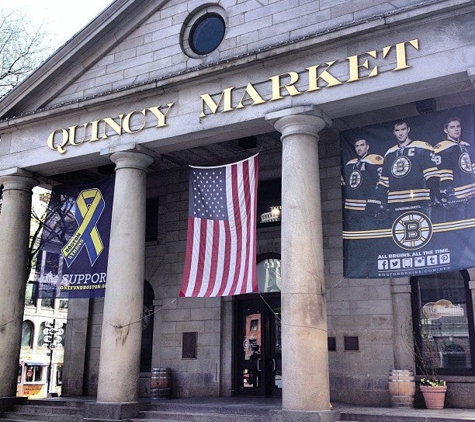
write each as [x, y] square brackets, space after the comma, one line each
[268, 273]
[189, 345]
[443, 324]
[207, 33]
[203, 31]
[27, 334]
[351, 343]
[269, 203]
[34, 373]
[29, 300]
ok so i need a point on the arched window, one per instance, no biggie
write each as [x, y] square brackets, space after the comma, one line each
[27, 333]
[443, 324]
[268, 273]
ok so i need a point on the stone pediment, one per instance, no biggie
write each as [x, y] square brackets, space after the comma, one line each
[63, 77]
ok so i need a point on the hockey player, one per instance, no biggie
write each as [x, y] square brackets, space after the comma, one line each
[456, 161]
[361, 175]
[409, 176]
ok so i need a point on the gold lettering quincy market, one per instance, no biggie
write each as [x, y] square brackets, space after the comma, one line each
[98, 130]
[318, 77]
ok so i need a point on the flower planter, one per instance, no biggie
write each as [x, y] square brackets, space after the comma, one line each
[434, 397]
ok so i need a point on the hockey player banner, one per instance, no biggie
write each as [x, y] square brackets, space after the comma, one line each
[72, 258]
[409, 196]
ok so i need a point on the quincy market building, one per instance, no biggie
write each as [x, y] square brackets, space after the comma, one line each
[148, 88]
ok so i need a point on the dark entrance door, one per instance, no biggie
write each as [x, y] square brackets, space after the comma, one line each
[258, 347]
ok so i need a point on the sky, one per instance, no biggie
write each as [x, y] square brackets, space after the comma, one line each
[61, 19]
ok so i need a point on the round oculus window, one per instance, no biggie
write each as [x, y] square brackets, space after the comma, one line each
[207, 33]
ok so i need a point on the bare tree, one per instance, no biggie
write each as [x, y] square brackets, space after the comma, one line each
[22, 49]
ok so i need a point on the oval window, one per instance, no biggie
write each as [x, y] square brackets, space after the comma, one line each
[207, 33]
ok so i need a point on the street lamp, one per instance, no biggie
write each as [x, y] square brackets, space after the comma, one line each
[51, 341]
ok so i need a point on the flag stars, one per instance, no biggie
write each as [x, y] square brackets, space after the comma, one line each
[209, 194]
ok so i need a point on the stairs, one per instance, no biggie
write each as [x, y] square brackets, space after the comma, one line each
[214, 409]
[45, 411]
[168, 411]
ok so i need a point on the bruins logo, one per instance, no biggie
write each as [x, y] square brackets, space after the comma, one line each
[401, 167]
[356, 178]
[412, 230]
[465, 163]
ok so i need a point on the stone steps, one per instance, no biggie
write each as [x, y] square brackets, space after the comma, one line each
[45, 411]
[168, 411]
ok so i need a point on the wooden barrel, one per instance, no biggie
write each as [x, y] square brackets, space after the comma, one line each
[160, 384]
[402, 388]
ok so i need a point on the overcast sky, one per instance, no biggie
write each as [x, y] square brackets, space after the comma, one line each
[61, 19]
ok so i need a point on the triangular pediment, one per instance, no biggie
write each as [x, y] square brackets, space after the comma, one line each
[99, 52]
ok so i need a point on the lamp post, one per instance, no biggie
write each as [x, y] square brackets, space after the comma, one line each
[51, 341]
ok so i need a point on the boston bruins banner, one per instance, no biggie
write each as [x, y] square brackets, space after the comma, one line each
[72, 258]
[409, 196]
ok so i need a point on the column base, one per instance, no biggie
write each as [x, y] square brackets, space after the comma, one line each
[111, 412]
[304, 416]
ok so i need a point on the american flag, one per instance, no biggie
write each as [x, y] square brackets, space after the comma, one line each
[221, 246]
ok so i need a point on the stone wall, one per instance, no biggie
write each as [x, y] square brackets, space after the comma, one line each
[154, 50]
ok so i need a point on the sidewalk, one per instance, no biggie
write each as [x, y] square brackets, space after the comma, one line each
[389, 414]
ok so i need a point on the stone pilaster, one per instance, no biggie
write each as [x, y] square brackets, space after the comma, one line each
[305, 374]
[403, 336]
[15, 219]
[119, 365]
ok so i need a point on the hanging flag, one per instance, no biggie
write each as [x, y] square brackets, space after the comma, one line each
[72, 257]
[221, 247]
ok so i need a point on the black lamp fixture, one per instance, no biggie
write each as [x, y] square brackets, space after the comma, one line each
[426, 106]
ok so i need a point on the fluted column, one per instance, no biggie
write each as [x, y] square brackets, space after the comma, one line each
[119, 366]
[305, 374]
[15, 218]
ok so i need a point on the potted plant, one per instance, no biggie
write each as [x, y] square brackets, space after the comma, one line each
[433, 390]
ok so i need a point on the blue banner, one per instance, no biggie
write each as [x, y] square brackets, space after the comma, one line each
[409, 195]
[74, 245]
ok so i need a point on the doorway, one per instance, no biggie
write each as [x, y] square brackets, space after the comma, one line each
[258, 346]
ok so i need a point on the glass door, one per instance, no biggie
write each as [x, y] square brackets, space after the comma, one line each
[258, 348]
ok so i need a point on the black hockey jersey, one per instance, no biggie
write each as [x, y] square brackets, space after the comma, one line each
[456, 165]
[361, 177]
[407, 176]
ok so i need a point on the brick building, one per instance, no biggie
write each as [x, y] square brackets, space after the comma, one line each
[148, 88]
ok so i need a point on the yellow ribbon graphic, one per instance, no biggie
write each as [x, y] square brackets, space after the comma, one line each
[88, 210]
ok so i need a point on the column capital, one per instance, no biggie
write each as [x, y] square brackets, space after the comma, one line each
[302, 120]
[131, 159]
[18, 180]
